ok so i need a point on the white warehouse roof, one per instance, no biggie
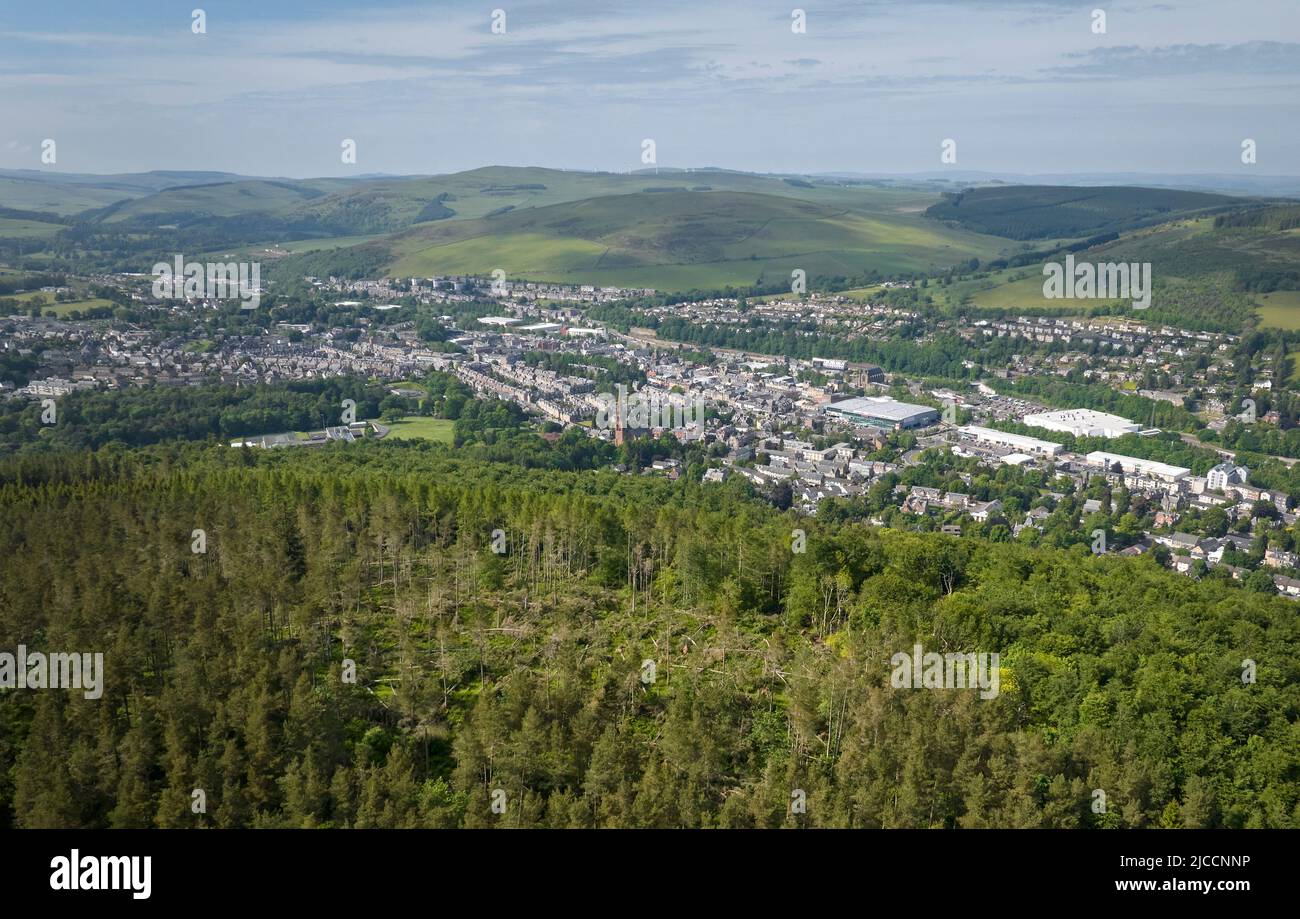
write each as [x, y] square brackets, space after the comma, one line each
[880, 407]
[1019, 442]
[1083, 422]
[1131, 464]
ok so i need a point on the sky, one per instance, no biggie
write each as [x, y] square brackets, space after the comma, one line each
[274, 87]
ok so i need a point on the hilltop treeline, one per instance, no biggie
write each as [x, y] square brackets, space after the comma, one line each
[13, 283]
[1286, 217]
[642, 653]
[1047, 211]
[157, 413]
[945, 355]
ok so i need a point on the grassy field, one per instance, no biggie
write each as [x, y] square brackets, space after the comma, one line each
[333, 242]
[417, 427]
[56, 198]
[1280, 309]
[63, 309]
[861, 294]
[1024, 294]
[257, 251]
[12, 228]
[60, 309]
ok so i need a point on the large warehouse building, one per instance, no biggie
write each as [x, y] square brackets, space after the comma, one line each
[1018, 442]
[1131, 465]
[882, 412]
[1083, 422]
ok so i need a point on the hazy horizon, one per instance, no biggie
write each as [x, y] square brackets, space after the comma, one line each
[928, 176]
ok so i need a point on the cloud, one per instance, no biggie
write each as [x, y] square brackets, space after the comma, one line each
[1130, 61]
[870, 78]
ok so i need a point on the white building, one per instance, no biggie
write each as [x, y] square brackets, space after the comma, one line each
[1016, 442]
[1131, 465]
[882, 412]
[1225, 474]
[1083, 422]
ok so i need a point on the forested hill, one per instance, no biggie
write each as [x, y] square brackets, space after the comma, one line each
[1046, 211]
[525, 672]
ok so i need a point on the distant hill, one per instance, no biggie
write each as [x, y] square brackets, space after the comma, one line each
[1208, 272]
[189, 203]
[670, 240]
[71, 193]
[1047, 211]
[1242, 182]
[672, 230]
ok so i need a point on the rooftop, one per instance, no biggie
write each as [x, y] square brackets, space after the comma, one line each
[879, 407]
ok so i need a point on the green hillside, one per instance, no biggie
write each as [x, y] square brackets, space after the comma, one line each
[25, 228]
[500, 189]
[671, 230]
[223, 199]
[1280, 309]
[1207, 272]
[388, 204]
[1045, 211]
[69, 193]
[676, 240]
[677, 230]
[54, 198]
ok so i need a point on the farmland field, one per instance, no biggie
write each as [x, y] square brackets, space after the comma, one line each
[11, 227]
[1280, 309]
[417, 427]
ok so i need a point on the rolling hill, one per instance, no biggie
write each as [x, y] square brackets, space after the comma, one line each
[389, 204]
[69, 193]
[1208, 272]
[1041, 211]
[676, 240]
[673, 230]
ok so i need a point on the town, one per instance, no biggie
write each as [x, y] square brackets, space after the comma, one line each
[976, 459]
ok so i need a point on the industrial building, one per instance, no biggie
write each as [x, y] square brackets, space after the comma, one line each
[882, 412]
[1131, 465]
[1083, 422]
[1016, 442]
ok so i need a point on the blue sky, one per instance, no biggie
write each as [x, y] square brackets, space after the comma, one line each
[1021, 85]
